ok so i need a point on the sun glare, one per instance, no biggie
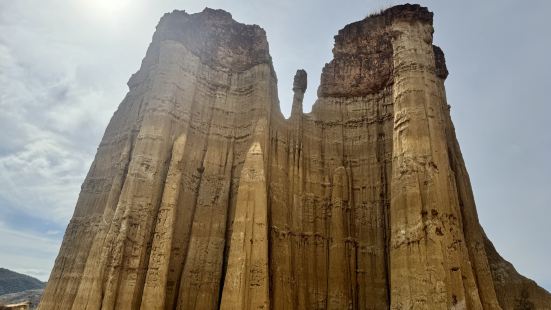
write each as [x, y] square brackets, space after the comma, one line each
[105, 8]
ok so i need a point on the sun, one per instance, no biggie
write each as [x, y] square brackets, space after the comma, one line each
[105, 8]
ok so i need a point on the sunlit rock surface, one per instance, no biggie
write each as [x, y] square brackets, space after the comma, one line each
[203, 196]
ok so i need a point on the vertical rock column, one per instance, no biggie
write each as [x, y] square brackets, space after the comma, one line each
[299, 88]
[155, 288]
[246, 281]
[89, 292]
[339, 275]
[428, 264]
[366, 200]
[288, 288]
[296, 215]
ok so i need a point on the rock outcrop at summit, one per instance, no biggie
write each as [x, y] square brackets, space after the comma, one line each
[203, 196]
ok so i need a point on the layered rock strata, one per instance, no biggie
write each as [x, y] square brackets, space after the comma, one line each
[203, 196]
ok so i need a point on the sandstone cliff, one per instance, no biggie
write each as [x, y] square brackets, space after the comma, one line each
[203, 196]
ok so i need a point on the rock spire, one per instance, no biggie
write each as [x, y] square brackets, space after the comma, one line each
[203, 196]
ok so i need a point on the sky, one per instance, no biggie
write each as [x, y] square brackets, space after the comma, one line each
[64, 67]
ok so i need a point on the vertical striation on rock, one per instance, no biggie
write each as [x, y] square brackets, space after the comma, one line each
[203, 196]
[246, 279]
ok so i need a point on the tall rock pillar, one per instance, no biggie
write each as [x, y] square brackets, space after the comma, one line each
[429, 262]
[246, 281]
[203, 196]
[299, 88]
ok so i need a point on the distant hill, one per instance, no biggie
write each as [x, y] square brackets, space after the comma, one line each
[13, 282]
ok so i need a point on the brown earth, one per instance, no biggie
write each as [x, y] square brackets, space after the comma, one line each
[203, 196]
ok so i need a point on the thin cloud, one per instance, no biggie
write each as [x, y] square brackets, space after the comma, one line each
[64, 66]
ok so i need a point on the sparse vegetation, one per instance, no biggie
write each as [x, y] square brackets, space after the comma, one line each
[13, 282]
[380, 10]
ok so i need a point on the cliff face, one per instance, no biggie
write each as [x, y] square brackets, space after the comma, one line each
[203, 196]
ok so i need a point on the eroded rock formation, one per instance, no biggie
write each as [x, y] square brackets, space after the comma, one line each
[203, 196]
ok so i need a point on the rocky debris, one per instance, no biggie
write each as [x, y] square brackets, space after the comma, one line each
[18, 306]
[203, 196]
[29, 297]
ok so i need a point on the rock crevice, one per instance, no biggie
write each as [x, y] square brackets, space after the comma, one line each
[203, 196]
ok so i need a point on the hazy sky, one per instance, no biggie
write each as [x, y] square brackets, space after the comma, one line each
[64, 67]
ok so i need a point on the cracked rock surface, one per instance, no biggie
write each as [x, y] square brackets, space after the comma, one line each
[203, 196]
